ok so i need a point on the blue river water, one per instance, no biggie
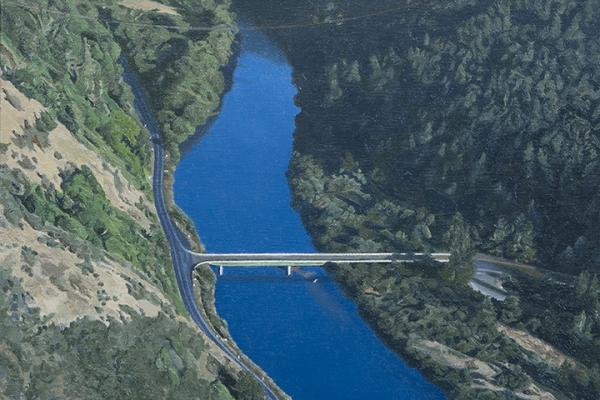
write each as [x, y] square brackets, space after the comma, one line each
[302, 330]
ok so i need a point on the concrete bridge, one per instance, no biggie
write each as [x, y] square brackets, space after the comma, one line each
[290, 260]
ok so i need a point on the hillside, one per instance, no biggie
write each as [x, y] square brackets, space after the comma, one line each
[89, 307]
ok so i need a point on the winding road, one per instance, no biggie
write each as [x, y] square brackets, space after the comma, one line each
[178, 245]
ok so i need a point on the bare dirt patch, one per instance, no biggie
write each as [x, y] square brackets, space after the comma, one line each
[149, 5]
[62, 290]
[447, 356]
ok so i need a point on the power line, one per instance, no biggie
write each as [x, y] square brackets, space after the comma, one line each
[332, 22]
[328, 22]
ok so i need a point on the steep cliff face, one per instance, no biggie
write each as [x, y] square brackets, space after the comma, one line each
[462, 126]
[89, 305]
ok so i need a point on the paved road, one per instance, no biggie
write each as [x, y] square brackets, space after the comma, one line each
[178, 245]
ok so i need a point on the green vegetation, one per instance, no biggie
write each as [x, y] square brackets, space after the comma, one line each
[144, 358]
[124, 135]
[489, 110]
[137, 358]
[70, 51]
[570, 321]
[180, 68]
[410, 305]
[82, 209]
[462, 126]
[70, 64]
[45, 122]
[247, 388]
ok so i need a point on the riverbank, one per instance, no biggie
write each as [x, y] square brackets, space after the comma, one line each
[249, 380]
[161, 115]
[216, 65]
[302, 330]
[185, 223]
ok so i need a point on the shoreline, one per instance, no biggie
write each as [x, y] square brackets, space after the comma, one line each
[163, 181]
[183, 221]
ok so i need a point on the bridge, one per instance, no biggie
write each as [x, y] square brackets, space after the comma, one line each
[290, 260]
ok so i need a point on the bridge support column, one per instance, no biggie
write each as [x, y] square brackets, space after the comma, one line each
[289, 270]
[220, 270]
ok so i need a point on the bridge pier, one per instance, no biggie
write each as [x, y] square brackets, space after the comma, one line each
[289, 270]
[220, 270]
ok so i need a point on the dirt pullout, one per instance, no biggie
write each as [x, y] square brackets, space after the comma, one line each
[544, 350]
[45, 162]
[149, 5]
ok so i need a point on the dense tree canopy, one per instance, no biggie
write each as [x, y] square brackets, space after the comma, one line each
[486, 108]
[454, 125]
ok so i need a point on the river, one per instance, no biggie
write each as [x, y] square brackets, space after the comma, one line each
[302, 330]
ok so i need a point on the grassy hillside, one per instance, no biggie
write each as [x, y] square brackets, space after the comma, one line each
[68, 61]
[145, 357]
[89, 306]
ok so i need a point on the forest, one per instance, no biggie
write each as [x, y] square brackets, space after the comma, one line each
[468, 126]
[487, 109]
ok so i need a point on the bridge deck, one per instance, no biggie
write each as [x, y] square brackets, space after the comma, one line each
[311, 259]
